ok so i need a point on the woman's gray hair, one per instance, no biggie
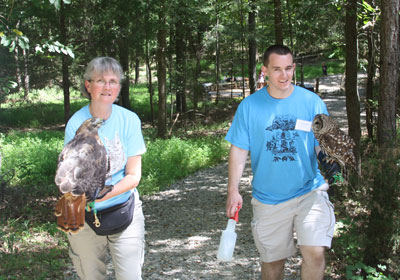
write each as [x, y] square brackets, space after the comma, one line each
[101, 65]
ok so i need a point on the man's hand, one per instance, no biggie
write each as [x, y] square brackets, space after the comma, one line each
[233, 202]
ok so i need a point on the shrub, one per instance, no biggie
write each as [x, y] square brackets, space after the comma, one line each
[171, 159]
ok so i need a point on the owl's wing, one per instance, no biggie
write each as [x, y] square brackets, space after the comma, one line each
[329, 144]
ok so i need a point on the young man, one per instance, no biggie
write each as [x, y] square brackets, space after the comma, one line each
[289, 192]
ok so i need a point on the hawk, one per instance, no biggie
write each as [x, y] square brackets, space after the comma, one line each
[335, 143]
[81, 173]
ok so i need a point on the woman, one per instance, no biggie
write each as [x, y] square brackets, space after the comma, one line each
[121, 134]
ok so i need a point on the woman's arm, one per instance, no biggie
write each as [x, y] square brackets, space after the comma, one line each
[133, 173]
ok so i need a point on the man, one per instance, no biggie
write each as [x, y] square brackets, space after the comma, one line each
[289, 192]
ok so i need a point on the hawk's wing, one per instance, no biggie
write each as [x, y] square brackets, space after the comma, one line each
[82, 167]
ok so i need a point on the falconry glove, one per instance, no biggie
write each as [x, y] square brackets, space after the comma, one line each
[330, 170]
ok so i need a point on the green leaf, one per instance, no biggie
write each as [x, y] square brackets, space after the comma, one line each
[38, 49]
[367, 7]
[70, 53]
[23, 44]
[5, 41]
[55, 3]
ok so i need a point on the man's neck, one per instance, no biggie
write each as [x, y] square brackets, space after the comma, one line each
[279, 94]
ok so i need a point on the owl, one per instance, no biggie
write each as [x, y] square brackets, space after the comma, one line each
[336, 144]
[81, 173]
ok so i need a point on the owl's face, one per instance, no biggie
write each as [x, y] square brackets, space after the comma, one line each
[320, 124]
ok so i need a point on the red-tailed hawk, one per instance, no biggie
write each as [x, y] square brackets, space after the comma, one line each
[81, 174]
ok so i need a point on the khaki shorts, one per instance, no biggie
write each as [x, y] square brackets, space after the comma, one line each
[311, 216]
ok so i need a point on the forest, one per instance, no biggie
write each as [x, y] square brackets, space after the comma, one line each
[173, 52]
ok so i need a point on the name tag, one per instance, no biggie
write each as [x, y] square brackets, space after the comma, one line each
[303, 125]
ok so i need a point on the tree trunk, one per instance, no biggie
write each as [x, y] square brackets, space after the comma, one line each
[137, 70]
[289, 11]
[26, 72]
[252, 46]
[180, 80]
[150, 82]
[148, 65]
[242, 44]
[17, 69]
[65, 70]
[198, 90]
[389, 72]
[351, 84]
[195, 43]
[381, 229]
[124, 60]
[17, 66]
[217, 54]
[278, 22]
[162, 71]
[370, 83]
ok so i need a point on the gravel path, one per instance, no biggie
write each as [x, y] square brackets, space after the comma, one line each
[184, 223]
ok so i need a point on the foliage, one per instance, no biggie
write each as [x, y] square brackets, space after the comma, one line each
[352, 210]
[14, 38]
[313, 70]
[353, 272]
[19, 116]
[106, 31]
[32, 156]
[171, 159]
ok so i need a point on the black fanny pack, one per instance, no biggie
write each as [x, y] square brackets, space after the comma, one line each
[111, 220]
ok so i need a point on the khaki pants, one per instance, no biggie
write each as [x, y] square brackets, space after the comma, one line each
[88, 251]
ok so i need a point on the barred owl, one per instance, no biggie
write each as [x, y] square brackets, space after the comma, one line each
[336, 144]
[81, 173]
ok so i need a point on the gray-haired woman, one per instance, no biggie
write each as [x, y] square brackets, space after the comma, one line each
[122, 136]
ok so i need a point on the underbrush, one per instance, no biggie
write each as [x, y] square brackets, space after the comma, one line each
[353, 204]
[171, 159]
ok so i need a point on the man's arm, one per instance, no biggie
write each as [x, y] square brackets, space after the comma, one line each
[237, 162]
[329, 169]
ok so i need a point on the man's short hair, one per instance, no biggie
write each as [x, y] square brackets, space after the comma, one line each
[276, 49]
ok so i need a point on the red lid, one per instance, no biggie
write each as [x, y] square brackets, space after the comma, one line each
[236, 217]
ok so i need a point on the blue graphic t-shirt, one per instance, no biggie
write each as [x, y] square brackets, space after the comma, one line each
[122, 136]
[278, 134]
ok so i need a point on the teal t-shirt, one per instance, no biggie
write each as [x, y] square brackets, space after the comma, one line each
[278, 134]
[122, 136]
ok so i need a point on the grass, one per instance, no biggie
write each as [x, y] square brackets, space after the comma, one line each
[314, 70]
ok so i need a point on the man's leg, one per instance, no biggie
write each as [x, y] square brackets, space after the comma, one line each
[272, 270]
[315, 226]
[272, 228]
[313, 266]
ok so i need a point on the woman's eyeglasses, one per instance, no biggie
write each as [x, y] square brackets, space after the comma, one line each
[102, 83]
